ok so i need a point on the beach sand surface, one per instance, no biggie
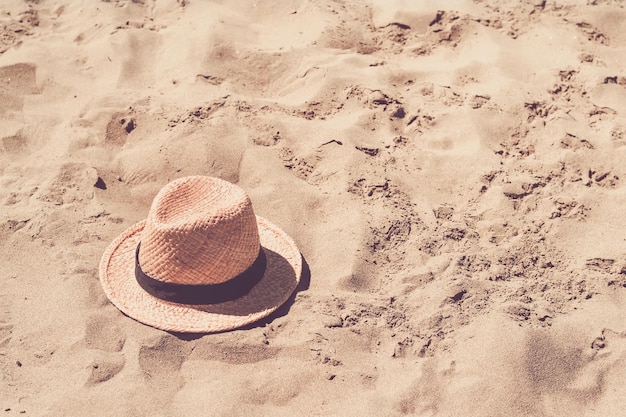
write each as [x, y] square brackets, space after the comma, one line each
[452, 172]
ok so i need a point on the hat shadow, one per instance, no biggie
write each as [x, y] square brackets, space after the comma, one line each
[303, 285]
[283, 310]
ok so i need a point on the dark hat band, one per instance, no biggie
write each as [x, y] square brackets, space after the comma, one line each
[204, 293]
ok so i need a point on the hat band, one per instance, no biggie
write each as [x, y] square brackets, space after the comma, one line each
[203, 293]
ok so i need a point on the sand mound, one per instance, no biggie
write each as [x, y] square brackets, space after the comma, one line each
[452, 174]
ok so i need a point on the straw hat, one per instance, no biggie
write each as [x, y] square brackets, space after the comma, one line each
[201, 261]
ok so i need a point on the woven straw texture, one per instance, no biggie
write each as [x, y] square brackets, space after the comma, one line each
[282, 274]
[199, 230]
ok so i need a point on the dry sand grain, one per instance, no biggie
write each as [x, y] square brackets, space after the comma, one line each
[451, 171]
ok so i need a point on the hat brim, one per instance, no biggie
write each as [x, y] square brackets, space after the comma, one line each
[281, 277]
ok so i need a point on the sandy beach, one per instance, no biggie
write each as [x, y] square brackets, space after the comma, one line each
[452, 173]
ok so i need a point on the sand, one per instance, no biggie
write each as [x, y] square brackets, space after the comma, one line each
[452, 173]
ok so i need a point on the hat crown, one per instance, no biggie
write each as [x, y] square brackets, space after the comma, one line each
[200, 230]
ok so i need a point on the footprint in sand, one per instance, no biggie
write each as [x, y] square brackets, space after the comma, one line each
[163, 357]
[15, 82]
[15, 142]
[426, 393]
[233, 353]
[104, 367]
[362, 279]
[102, 333]
[247, 71]
[277, 390]
[138, 51]
[118, 128]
